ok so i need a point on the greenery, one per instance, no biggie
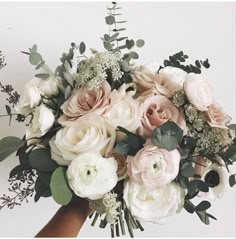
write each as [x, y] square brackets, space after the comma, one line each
[177, 59]
[167, 136]
[60, 189]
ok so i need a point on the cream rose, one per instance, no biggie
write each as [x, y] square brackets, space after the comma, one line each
[198, 91]
[49, 87]
[167, 82]
[84, 101]
[30, 98]
[88, 135]
[153, 167]
[153, 205]
[91, 176]
[42, 121]
[125, 113]
[216, 117]
[157, 110]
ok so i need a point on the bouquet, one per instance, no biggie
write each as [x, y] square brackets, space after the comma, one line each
[138, 142]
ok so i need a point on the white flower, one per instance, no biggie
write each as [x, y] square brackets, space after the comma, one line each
[198, 91]
[175, 76]
[30, 98]
[125, 113]
[88, 134]
[153, 205]
[91, 176]
[217, 178]
[42, 121]
[49, 86]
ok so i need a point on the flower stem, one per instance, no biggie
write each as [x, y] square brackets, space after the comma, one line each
[95, 219]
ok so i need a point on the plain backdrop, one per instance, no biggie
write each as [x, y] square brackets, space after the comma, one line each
[199, 29]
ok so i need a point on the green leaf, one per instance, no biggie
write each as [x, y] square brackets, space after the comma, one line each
[187, 170]
[188, 206]
[110, 20]
[204, 217]
[125, 66]
[43, 76]
[197, 185]
[9, 145]
[41, 189]
[16, 170]
[107, 37]
[133, 55]
[122, 148]
[35, 58]
[60, 189]
[34, 48]
[115, 35]
[187, 146]
[231, 153]
[41, 160]
[202, 206]
[140, 43]
[167, 136]
[107, 45]
[232, 127]
[82, 48]
[40, 65]
[232, 180]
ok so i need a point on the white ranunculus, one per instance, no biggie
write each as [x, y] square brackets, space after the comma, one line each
[175, 76]
[150, 205]
[49, 86]
[30, 98]
[217, 178]
[125, 113]
[42, 121]
[86, 135]
[91, 176]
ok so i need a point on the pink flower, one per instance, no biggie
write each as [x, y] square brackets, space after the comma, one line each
[84, 101]
[198, 91]
[157, 110]
[153, 167]
[216, 117]
[167, 82]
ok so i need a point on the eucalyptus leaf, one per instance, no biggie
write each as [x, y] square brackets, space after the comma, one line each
[82, 48]
[122, 148]
[35, 58]
[140, 43]
[133, 55]
[204, 217]
[232, 126]
[188, 206]
[60, 189]
[187, 170]
[9, 145]
[110, 20]
[41, 160]
[34, 48]
[43, 76]
[41, 189]
[232, 180]
[202, 206]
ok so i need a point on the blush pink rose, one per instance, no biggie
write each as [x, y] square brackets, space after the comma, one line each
[167, 82]
[216, 117]
[84, 101]
[153, 167]
[198, 91]
[157, 110]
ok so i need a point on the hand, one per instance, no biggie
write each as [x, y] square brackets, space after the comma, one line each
[68, 220]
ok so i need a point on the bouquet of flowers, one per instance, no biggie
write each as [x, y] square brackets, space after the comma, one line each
[138, 142]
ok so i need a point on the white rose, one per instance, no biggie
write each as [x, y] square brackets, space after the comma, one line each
[49, 86]
[174, 76]
[42, 121]
[89, 134]
[91, 176]
[30, 98]
[198, 91]
[153, 205]
[125, 113]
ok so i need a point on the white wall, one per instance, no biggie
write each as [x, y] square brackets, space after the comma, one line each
[200, 29]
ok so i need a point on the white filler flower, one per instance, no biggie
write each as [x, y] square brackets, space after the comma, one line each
[150, 205]
[91, 176]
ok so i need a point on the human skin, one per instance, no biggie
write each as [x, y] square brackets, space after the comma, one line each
[67, 221]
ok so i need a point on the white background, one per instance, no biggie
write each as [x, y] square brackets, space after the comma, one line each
[200, 29]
